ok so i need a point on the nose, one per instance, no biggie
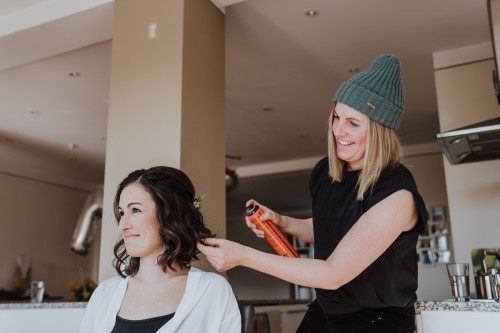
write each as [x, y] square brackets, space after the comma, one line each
[337, 128]
[124, 223]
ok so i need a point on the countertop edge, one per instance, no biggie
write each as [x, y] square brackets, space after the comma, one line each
[449, 305]
[446, 305]
[43, 305]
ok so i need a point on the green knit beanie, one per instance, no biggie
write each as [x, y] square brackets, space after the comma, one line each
[376, 92]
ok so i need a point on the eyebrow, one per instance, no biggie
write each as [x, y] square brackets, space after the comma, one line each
[348, 118]
[130, 204]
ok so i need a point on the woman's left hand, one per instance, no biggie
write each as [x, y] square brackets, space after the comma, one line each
[221, 253]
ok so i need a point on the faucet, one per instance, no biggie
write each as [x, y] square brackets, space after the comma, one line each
[483, 256]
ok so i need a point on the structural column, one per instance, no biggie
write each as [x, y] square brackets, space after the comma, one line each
[166, 103]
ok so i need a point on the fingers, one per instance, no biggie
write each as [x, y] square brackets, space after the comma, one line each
[251, 202]
[264, 208]
[266, 216]
[211, 252]
[211, 242]
[257, 232]
[269, 214]
[220, 253]
[208, 247]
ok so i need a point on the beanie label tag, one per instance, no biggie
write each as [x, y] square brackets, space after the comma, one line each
[371, 105]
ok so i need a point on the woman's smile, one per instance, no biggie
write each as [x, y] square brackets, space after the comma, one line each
[345, 143]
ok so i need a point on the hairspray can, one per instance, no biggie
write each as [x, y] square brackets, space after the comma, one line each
[271, 233]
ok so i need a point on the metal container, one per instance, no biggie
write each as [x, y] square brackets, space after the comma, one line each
[487, 280]
[495, 283]
[483, 285]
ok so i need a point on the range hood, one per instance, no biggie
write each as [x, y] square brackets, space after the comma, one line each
[480, 141]
[473, 143]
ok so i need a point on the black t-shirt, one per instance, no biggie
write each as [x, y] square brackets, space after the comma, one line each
[392, 279]
[150, 325]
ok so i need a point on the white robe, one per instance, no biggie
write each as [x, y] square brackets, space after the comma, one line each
[207, 306]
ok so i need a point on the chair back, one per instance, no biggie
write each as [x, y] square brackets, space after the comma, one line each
[247, 317]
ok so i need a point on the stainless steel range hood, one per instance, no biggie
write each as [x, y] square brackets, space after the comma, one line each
[480, 141]
[473, 143]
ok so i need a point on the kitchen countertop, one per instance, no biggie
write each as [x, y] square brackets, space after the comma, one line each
[43, 305]
[446, 305]
[475, 305]
[58, 305]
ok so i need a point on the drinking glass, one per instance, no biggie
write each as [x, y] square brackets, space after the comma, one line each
[37, 289]
[459, 281]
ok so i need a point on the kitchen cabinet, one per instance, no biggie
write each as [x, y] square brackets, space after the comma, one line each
[456, 317]
[458, 322]
[43, 317]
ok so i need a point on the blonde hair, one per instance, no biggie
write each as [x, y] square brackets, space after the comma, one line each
[383, 150]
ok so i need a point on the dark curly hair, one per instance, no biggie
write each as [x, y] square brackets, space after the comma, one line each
[181, 223]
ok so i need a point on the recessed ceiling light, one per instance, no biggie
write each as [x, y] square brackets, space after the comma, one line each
[267, 109]
[353, 70]
[74, 74]
[311, 13]
[35, 112]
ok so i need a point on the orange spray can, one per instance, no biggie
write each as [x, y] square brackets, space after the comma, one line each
[271, 233]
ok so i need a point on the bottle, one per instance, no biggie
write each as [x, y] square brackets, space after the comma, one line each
[271, 233]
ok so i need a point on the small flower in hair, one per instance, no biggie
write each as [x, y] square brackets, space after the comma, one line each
[198, 200]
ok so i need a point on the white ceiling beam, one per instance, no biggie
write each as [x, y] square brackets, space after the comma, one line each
[44, 12]
[54, 33]
[222, 4]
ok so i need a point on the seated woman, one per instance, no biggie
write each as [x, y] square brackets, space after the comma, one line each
[158, 290]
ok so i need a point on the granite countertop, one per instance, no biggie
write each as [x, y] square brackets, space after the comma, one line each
[446, 305]
[56, 305]
[43, 305]
[476, 305]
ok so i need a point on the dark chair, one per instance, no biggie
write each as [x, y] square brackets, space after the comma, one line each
[261, 323]
[247, 317]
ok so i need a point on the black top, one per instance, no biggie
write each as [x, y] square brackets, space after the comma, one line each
[150, 325]
[392, 279]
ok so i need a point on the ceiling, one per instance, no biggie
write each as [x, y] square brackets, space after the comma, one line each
[282, 68]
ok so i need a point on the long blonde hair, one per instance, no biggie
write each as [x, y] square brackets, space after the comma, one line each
[383, 150]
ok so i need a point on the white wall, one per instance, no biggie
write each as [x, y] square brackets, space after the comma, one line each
[38, 220]
[428, 171]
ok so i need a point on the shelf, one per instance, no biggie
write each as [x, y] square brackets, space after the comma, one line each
[434, 247]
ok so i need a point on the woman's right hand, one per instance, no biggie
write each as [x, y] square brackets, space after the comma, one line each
[268, 215]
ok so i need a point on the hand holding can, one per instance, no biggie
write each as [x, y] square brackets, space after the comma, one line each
[271, 233]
